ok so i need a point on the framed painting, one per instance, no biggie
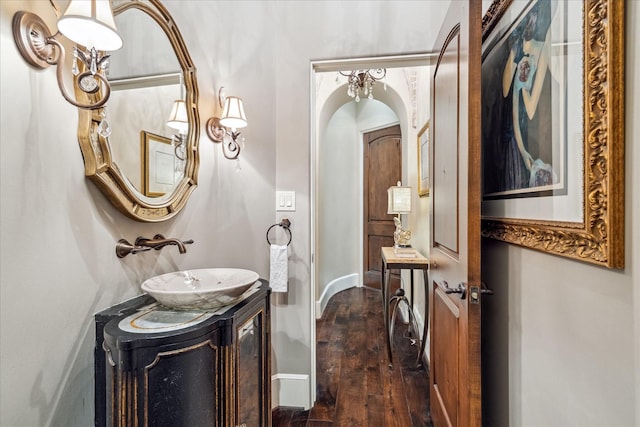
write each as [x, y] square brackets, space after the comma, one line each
[553, 127]
[423, 160]
[158, 164]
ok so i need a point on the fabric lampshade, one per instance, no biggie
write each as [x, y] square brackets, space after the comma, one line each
[178, 117]
[90, 23]
[398, 199]
[233, 113]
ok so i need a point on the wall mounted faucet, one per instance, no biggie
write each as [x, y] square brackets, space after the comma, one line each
[124, 248]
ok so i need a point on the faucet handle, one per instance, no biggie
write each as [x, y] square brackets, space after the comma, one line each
[124, 248]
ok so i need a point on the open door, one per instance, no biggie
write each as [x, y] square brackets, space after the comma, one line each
[454, 291]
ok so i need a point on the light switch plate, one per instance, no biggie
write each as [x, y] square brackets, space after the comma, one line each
[285, 200]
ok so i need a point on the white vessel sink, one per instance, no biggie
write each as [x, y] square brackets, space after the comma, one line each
[206, 288]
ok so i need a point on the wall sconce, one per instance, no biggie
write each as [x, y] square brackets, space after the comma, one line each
[399, 202]
[87, 23]
[225, 128]
[178, 120]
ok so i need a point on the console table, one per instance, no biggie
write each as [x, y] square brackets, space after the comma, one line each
[391, 261]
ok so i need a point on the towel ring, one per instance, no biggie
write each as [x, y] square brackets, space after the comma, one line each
[285, 223]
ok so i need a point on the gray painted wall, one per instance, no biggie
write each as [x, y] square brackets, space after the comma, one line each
[565, 342]
[338, 198]
[339, 212]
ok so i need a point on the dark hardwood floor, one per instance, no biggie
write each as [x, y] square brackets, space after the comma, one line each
[355, 386]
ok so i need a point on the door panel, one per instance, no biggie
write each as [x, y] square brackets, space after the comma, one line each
[446, 355]
[445, 158]
[382, 169]
[455, 219]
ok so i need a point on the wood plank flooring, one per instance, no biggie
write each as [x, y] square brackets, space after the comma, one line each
[355, 386]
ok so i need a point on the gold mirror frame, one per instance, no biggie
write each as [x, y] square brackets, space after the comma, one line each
[98, 162]
[599, 238]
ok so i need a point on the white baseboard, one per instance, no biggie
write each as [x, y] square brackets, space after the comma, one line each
[335, 286]
[290, 390]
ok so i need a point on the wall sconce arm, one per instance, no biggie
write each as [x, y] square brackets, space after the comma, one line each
[228, 137]
[215, 131]
[41, 49]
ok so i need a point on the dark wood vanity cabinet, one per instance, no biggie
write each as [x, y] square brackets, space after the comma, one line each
[212, 372]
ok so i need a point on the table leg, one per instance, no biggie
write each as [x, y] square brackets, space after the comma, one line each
[425, 329]
[382, 288]
[411, 273]
[385, 310]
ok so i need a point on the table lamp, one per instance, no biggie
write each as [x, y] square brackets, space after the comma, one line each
[399, 202]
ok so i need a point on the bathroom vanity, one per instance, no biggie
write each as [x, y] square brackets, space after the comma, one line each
[158, 367]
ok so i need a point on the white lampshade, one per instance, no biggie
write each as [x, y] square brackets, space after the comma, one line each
[178, 118]
[233, 113]
[90, 23]
[399, 199]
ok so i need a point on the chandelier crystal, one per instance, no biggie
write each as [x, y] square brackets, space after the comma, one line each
[361, 82]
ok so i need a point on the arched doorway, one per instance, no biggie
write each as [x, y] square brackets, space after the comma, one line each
[328, 98]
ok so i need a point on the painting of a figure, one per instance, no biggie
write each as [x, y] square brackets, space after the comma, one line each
[522, 140]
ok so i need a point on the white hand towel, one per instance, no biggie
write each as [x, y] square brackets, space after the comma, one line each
[279, 274]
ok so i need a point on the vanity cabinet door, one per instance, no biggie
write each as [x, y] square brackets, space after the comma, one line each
[252, 350]
[168, 385]
[181, 387]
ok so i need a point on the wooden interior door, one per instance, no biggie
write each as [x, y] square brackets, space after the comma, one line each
[382, 169]
[455, 220]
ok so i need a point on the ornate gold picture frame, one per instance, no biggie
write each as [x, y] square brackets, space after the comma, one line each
[423, 160]
[596, 234]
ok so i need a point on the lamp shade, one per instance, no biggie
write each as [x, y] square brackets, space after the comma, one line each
[90, 23]
[398, 199]
[233, 113]
[178, 118]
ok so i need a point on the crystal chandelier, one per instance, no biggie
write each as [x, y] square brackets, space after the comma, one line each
[362, 81]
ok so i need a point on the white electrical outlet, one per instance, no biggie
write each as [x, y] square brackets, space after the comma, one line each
[285, 200]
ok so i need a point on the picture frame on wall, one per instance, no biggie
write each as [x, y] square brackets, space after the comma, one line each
[423, 160]
[158, 164]
[553, 127]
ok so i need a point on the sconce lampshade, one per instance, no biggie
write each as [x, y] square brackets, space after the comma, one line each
[178, 118]
[90, 23]
[233, 113]
[399, 199]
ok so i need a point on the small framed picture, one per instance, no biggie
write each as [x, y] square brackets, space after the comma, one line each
[158, 164]
[423, 160]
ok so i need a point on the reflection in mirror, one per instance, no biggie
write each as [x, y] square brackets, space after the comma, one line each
[145, 163]
[141, 106]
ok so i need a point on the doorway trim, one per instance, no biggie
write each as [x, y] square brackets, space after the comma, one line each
[319, 66]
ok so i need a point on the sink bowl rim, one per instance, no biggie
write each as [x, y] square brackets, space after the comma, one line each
[158, 278]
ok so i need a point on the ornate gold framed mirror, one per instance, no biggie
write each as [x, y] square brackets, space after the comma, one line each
[149, 77]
